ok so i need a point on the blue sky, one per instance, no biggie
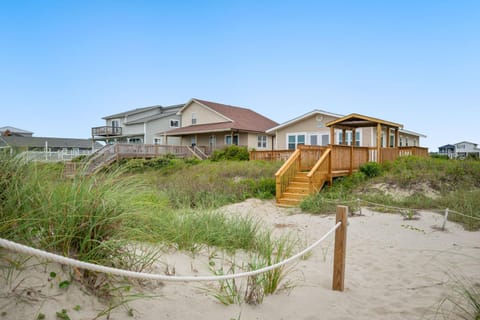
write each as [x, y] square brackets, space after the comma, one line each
[66, 64]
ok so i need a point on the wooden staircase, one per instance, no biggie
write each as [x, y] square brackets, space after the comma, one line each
[296, 191]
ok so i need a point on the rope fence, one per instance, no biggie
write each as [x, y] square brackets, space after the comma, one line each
[358, 202]
[20, 248]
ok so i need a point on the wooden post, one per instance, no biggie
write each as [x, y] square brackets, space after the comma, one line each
[340, 249]
[379, 142]
[332, 136]
[445, 219]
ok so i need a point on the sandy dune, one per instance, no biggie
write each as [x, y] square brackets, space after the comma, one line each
[396, 269]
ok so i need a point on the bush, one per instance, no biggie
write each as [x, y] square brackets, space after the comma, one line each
[371, 169]
[231, 153]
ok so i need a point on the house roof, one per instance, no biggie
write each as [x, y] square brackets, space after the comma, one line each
[355, 120]
[39, 142]
[14, 130]
[466, 142]
[413, 133]
[302, 117]
[166, 112]
[236, 119]
[130, 112]
[447, 146]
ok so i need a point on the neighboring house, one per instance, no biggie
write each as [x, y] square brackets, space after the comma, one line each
[447, 150]
[310, 129]
[44, 148]
[212, 125]
[460, 150]
[139, 125]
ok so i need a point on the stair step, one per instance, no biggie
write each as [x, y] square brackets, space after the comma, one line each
[285, 202]
[301, 190]
[294, 195]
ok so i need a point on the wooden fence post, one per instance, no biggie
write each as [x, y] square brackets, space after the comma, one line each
[340, 249]
[445, 217]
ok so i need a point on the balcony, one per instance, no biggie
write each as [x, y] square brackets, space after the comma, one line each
[106, 131]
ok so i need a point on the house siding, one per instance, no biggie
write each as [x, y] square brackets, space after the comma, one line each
[203, 115]
[309, 125]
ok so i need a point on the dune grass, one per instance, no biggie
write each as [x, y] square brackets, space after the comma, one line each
[102, 218]
[455, 182]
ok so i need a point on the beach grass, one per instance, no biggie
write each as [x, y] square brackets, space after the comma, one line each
[455, 184]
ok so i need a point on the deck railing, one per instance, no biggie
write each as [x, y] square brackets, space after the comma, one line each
[286, 173]
[271, 155]
[321, 172]
[106, 131]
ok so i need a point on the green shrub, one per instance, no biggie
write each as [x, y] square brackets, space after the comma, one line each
[231, 153]
[371, 169]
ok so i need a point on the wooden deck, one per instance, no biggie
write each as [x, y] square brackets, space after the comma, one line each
[308, 168]
[115, 152]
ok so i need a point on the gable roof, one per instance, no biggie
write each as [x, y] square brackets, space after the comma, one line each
[413, 133]
[39, 142]
[466, 142]
[236, 118]
[302, 117]
[355, 120]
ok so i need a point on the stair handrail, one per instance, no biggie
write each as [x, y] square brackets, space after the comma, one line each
[282, 179]
[199, 151]
[314, 185]
[192, 151]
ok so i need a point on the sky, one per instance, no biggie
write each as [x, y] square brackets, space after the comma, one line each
[66, 64]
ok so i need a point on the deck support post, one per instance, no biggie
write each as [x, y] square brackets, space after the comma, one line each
[340, 249]
[379, 142]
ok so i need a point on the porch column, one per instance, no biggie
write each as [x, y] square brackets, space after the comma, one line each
[396, 137]
[379, 141]
[332, 135]
[388, 137]
[344, 136]
[354, 137]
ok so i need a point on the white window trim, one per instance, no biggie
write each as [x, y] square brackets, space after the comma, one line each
[296, 134]
[266, 141]
[175, 120]
[194, 118]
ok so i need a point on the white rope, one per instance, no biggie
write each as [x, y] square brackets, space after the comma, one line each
[20, 248]
[400, 208]
[464, 215]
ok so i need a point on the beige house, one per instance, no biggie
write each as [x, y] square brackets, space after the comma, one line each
[209, 125]
[311, 129]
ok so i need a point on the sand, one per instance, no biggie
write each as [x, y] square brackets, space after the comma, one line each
[395, 269]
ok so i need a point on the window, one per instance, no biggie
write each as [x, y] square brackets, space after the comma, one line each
[262, 142]
[358, 139]
[228, 139]
[174, 123]
[115, 123]
[314, 140]
[158, 140]
[325, 139]
[392, 140]
[135, 140]
[348, 140]
[194, 118]
[293, 140]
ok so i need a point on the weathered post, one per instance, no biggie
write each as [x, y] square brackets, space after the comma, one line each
[445, 217]
[340, 249]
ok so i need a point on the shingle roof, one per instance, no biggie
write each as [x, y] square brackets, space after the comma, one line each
[39, 142]
[242, 119]
[167, 112]
[130, 112]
